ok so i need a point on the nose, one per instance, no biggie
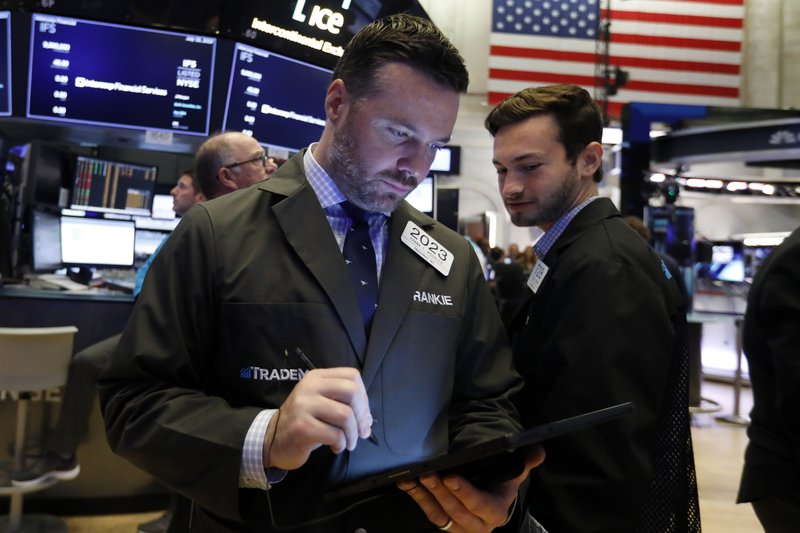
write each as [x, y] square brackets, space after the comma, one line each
[416, 160]
[511, 186]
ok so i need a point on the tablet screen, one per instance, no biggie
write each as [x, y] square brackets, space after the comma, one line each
[486, 463]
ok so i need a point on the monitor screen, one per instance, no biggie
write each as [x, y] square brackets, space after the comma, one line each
[145, 244]
[112, 186]
[97, 242]
[5, 63]
[754, 257]
[727, 262]
[46, 241]
[108, 74]
[162, 206]
[447, 160]
[423, 197]
[277, 100]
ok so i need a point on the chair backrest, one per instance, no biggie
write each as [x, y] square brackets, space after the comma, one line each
[33, 359]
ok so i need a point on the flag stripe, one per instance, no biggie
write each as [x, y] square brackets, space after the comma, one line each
[674, 51]
[696, 9]
[677, 42]
[673, 30]
[665, 18]
[622, 61]
[589, 69]
[542, 77]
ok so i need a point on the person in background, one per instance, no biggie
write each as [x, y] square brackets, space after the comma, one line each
[604, 325]
[527, 260]
[508, 285]
[231, 160]
[253, 388]
[59, 459]
[670, 263]
[186, 192]
[771, 341]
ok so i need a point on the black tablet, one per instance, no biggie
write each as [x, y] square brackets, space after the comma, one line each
[487, 463]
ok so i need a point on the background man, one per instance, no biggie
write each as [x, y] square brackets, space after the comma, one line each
[605, 325]
[229, 161]
[771, 338]
[194, 394]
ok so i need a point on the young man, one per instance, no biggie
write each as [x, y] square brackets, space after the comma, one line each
[210, 391]
[605, 325]
[186, 193]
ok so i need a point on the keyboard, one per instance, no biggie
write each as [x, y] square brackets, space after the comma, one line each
[56, 282]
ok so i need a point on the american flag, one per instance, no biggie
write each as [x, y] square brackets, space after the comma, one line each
[675, 51]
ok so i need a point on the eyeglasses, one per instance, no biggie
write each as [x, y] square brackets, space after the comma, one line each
[263, 158]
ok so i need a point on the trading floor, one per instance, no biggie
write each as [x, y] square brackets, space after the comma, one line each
[718, 448]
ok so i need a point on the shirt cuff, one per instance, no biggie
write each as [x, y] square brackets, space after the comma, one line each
[252, 474]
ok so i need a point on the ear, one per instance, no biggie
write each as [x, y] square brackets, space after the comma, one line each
[591, 158]
[225, 177]
[336, 100]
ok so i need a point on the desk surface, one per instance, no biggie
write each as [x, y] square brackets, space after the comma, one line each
[91, 295]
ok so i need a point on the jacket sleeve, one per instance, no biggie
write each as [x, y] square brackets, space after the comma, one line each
[157, 411]
[778, 308]
[485, 376]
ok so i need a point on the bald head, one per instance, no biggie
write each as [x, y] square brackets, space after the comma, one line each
[229, 161]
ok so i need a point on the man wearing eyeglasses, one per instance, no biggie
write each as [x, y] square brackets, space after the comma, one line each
[229, 161]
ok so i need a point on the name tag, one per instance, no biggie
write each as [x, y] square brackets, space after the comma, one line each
[537, 276]
[427, 248]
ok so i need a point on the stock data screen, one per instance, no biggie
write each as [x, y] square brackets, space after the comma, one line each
[277, 100]
[109, 74]
[5, 63]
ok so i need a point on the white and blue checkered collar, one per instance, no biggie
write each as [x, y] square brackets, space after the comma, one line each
[326, 190]
[549, 238]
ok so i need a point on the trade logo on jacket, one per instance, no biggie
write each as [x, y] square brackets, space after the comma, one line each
[256, 373]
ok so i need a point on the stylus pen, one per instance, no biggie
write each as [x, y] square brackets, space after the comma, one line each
[306, 361]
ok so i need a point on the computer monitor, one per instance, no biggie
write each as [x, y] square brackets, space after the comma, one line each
[727, 262]
[447, 160]
[113, 186]
[5, 63]
[145, 244]
[423, 197]
[277, 100]
[162, 207]
[97, 242]
[100, 73]
[46, 241]
[754, 257]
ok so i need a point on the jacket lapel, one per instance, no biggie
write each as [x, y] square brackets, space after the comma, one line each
[307, 230]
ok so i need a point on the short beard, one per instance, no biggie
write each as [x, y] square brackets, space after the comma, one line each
[553, 207]
[347, 172]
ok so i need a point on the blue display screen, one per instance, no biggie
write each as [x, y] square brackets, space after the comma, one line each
[277, 100]
[108, 74]
[5, 63]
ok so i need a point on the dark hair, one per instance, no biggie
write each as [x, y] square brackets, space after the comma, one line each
[638, 224]
[577, 115]
[402, 38]
[195, 182]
